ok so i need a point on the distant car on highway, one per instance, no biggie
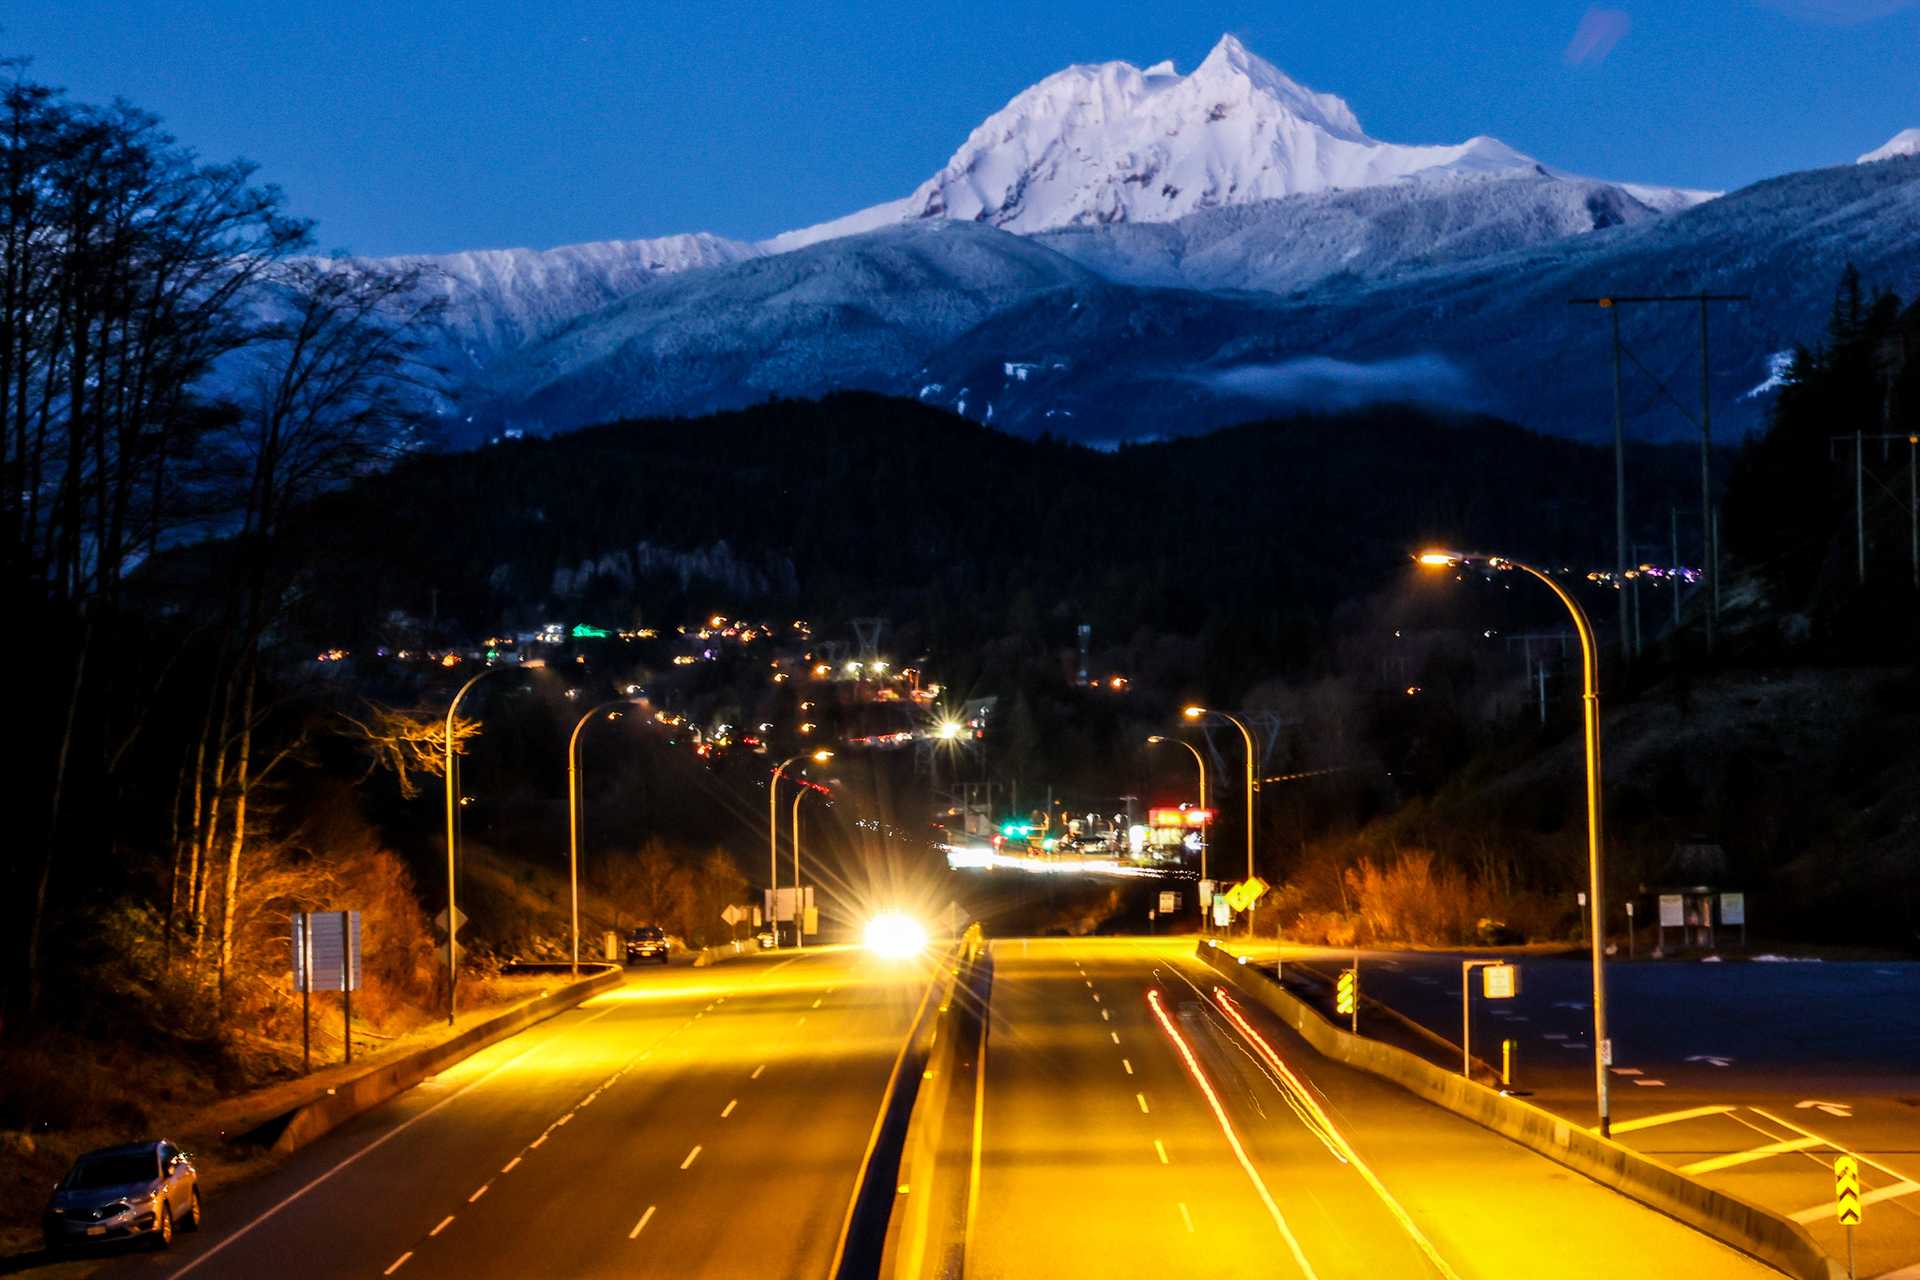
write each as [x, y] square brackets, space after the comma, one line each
[140, 1190]
[648, 942]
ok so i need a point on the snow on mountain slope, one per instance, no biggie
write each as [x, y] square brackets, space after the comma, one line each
[854, 312]
[1904, 143]
[1369, 234]
[498, 299]
[1112, 143]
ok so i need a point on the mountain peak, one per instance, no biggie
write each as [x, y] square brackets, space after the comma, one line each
[1904, 143]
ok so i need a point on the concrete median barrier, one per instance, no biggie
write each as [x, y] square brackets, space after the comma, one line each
[1772, 1238]
[364, 1092]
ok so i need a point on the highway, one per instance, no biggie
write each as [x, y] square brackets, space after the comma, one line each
[694, 1122]
[1100, 1152]
[1749, 1076]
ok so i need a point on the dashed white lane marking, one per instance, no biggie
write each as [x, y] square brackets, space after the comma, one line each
[444, 1224]
[641, 1225]
[482, 1191]
[691, 1157]
[1141, 1098]
[1089, 984]
[1161, 1151]
[816, 1003]
[1645, 1083]
[508, 1166]
[563, 1119]
[534, 1145]
[1185, 1216]
[398, 1263]
[1105, 1016]
[800, 1021]
[1096, 997]
[1115, 1035]
[757, 1070]
[1127, 1064]
[730, 1107]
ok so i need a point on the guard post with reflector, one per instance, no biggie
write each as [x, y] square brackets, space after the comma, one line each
[1498, 981]
[1346, 995]
[1846, 1200]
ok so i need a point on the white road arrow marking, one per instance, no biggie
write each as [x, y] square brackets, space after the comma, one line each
[1712, 1059]
[1842, 1109]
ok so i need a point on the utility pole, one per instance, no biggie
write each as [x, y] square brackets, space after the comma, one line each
[1674, 514]
[1709, 540]
[1860, 502]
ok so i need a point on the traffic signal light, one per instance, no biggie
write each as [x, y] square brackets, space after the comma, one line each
[1344, 994]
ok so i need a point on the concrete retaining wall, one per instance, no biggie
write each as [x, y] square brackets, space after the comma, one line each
[1773, 1239]
[365, 1092]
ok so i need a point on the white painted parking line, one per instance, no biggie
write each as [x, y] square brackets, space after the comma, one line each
[1669, 1117]
[1824, 1210]
[1732, 1159]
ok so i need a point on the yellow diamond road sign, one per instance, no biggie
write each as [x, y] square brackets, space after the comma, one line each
[1846, 1190]
[1246, 893]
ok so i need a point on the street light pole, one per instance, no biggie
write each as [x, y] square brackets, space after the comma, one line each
[1253, 786]
[573, 816]
[1201, 762]
[799, 903]
[452, 788]
[1590, 697]
[773, 828]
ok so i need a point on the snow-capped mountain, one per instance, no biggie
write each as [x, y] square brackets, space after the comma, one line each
[1904, 143]
[1122, 252]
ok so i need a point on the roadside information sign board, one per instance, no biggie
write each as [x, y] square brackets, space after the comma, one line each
[1733, 908]
[1673, 911]
[1500, 981]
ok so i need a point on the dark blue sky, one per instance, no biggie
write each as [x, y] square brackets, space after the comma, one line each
[435, 125]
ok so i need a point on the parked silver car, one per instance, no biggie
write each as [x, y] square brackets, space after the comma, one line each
[143, 1189]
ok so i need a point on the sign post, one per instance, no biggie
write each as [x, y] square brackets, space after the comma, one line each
[1630, 947]
[1673, 915]
[1498, 981]
[1846, 1200]
[1733, 910]
[326, 957]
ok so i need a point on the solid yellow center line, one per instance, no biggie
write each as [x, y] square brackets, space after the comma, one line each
[1749, 1156]
[1141, 1098]
[729, 1109]
[1669, 1117]
[398, 1263]
[641, 1225]
[691, 1157]
[1161, 1151]
[444, 1224]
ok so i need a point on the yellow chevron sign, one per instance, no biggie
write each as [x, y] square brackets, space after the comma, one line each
[1846, 1190]
[1343, 993]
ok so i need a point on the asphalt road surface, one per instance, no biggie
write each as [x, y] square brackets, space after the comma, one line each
[1750, 1076]
[694, 1122]
[1102, 1152]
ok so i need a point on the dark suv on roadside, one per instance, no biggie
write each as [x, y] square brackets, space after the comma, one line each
[648, 942]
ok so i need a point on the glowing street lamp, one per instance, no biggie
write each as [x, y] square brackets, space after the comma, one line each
[773, 823]
[1590, 695]
[573, 812]
[1197, 714]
